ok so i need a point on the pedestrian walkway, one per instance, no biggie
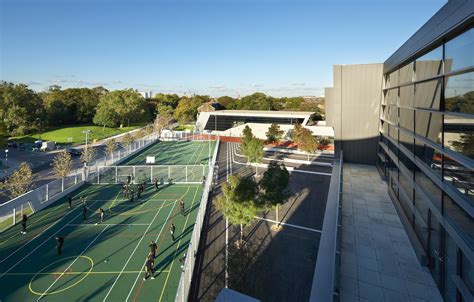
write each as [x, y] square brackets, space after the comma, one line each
[378, 262]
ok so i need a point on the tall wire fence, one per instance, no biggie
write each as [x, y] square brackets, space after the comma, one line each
[187, 267]
[41, 197]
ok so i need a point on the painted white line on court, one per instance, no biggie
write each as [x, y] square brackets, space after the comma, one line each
[290, 225]
[141, 269]
[38, 246]
[107, 224]
[69, 266]
[131, 255]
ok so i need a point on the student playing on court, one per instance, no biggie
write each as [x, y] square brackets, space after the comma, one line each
[148, 268]
[69, 200]
[129, 179]
[156, 184]
[181, 205]
[23, 223]
[59, 244]
[172, 229]
[101, 214]
[153, 248]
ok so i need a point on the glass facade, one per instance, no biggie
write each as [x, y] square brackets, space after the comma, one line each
[427, 125]
[224, 122]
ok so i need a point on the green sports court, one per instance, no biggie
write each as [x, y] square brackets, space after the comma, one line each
[105, 261]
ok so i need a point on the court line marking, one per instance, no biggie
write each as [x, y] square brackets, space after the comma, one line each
[289, 224]
[37, 235]
[143, 265]
[174, 255]
[131, 255]
[62, 274]
[44, 241]
[30, 285]
[77, 273]
[107, 224]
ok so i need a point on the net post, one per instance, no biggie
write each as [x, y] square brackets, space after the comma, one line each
[151, 174]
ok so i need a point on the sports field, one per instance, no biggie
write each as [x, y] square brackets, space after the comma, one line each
[175, 153]
[103, 261]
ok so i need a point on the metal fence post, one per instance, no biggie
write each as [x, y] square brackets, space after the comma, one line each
[14, 216]
[116, 174]
[47, 192]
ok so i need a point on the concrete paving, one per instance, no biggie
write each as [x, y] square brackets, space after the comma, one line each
[378, 262]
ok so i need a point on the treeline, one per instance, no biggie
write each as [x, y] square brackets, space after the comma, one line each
[23, 110]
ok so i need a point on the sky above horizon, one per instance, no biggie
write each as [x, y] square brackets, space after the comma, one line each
[213, 47]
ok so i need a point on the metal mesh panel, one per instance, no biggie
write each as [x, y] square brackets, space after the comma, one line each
[54, 187]
[123, 172]
[142, 174]
[107, 175]
[178, 173]
[160, 173]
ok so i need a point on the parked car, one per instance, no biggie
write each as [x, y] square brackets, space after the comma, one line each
[74, 151]
[12, 145]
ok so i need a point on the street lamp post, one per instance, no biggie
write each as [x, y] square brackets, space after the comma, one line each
[6, 161]
[39, 128]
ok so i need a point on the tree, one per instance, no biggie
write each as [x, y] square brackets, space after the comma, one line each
[128, 139]
[118, 106]
[19, 108]
[238, 202]
[110, 147]
[62, 166]
[20, 181]
[308, 142]
[253, 151]
[296, 133]
[274, 134]
[274, 186]
[225, 101]
[88, 155]
[162, 121]
[247, 135]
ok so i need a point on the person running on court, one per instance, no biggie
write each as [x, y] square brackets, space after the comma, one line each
[84, 213]
[23, 223]
[172, 229]
[59, 244]
[69, 200]
[148, 268]
[156, 184]
[153, 248]
[129, 179]
[101, 214]
[181, 205]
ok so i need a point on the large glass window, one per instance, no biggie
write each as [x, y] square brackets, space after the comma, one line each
[407, 141]
[428, 94]
[391, 96]
[459, 51]
[459, 176]
[461, 220]
[450, 261]
[467, 273]
[407, 95]
[459, 93]
[429, 125]
[432, 191]
[406, 73]
[422, 207]
[407, 118]
[429, 156]
[459, 134]
[430, 64]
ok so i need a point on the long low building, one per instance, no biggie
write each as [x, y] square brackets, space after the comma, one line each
[223, 120]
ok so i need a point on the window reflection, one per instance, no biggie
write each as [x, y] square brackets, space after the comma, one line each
[459, 51]
[429, 125]
[459, 176]
[431, 190]
[459, 93]
[430, 64]
[459, 135]
[461, 219]
[428, 94]
[430, 156]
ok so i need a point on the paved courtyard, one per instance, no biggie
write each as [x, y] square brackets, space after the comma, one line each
[378, 262]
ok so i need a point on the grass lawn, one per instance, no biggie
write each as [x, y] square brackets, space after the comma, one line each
[61, 135]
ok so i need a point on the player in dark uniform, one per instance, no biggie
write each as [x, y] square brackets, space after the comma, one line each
[172, 229]
[23, 223]
[129, 179]
[59, 244]
[181, 205]
[153, 248]
[149, 267]
[156, 184]
[69, 200]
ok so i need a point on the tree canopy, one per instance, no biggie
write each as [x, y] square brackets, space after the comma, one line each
[274, 184]
[274, 134]
[118, 107]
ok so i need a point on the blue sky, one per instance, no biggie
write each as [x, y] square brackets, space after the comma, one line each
[215, 47]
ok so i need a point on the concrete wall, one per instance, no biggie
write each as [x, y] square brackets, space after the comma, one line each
[352, 108]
